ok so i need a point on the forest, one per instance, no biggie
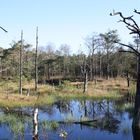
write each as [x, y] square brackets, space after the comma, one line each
[104, 59]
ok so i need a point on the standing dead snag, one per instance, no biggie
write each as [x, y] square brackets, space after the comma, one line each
[20, 64]
[85, 78]
[36, 62]
[133, 27]
[35, 124]
[85, 72]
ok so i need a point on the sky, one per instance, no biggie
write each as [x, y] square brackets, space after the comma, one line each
[62, 21]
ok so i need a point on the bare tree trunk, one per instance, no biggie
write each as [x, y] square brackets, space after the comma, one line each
[85, 82]
[107, 65]
[136, 119]
[36, 63]
[95, 70]
[28, 67]
[128, 79]
[20, 65]
[91, 68]
[48, 74]
[35, 124]
[7, 92]
[44, 77]
[100, 67]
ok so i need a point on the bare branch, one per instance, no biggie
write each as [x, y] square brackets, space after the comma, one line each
[129, 21]
[120, 14]
[128, 46]
[132, 30]
[127, 51]
[136, 11]
[135, 24]
[3, 29]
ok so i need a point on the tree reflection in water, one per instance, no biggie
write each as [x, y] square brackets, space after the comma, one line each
[97, 114]
[104, 116]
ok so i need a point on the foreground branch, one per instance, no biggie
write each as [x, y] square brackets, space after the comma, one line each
[130, 47]
[129, 21]
[3, 29]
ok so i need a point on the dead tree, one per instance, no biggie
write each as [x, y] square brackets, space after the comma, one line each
[133, 27]
[85, 72]
[85, 79]
[35, 124]
[20, 64]
[36, 62]
[92, 43]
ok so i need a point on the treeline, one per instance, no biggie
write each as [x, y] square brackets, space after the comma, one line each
[104, 59]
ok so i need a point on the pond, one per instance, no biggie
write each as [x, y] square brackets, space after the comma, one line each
[69, 120]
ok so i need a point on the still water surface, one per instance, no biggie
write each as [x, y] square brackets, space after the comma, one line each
[110, 120]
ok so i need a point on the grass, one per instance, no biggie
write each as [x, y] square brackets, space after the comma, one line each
[104, 89]
[14, 100]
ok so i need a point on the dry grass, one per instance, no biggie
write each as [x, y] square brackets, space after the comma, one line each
[21, 100]
[16, 100]
[104, 87]
[112, 84]
[112, 88]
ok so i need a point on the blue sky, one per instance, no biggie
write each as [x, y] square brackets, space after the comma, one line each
[61, 21]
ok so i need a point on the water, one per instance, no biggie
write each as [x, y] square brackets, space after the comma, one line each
[110, 120]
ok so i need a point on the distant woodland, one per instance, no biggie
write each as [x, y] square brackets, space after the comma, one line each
[104, 59]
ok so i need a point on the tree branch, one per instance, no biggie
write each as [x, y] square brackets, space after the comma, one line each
[136, 11]
[132, 25]
[3, 29]
[127, 51]
[128, 46]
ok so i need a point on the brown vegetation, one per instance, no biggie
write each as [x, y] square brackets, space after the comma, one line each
[112, 88]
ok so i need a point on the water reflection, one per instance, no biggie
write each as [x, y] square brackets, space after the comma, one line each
[102, 119]
[35, 124]
[13, 121]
